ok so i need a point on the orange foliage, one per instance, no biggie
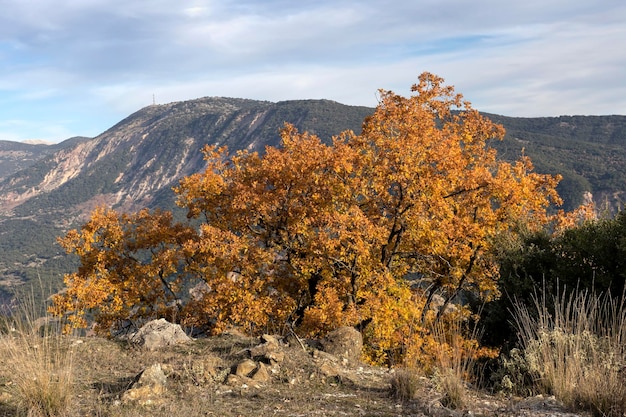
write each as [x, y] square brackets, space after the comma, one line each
[366, 231]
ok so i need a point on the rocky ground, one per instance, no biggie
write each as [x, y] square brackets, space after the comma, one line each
[234, 375]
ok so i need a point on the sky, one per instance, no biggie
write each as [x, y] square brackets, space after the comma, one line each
[77, 67]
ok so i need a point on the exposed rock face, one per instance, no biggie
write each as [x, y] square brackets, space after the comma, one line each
[345, 342]
[159, 333]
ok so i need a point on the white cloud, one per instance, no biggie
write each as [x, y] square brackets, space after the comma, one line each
[108, 57]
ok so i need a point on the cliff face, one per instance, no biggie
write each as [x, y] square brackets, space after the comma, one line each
[144, 155]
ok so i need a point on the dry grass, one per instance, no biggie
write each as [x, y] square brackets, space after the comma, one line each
[575, 347]
[455, 362]
[102, 370]
[36, 358]
[44, 374]
[405, 384]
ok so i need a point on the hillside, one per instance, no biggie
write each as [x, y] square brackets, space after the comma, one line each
[45, 190]
[232, 375]
[16, 156]
[134, 164]
[589, 151]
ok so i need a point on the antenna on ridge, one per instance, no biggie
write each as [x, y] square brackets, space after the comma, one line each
[153, 100]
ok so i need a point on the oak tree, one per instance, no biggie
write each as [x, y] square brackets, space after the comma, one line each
[384, 231]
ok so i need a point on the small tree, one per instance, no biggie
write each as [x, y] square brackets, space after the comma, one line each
[365, 231]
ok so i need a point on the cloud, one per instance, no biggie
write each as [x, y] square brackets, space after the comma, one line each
[102, 59]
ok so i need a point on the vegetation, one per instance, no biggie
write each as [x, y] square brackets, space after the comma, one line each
[150, 150]
[36, 357]
[589, 257]
[408, 230]
[312, 236]
[574, 348]
[588, 151]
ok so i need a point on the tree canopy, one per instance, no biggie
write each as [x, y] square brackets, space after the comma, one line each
[382, 231]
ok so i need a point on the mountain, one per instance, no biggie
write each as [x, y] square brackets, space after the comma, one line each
[133, 164]
[589, 151]
[46, 190]
[15, 156]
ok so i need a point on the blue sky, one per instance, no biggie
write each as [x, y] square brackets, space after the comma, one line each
[76, 67]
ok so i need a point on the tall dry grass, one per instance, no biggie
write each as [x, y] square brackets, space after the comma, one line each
[454, 363]
[37, 363]
[456, 358]
[575, 348]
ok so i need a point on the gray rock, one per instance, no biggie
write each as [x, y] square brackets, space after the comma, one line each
[345, 342]
[149, 387]
[159, 333]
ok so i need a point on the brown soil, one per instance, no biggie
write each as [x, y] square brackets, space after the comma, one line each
[196, 375]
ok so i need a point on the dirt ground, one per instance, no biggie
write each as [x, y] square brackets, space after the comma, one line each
[197, 384]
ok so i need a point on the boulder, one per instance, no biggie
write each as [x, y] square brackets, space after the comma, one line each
[270, 352]
[345, 342]
[159, 333]
[262, 373]
[245, 368]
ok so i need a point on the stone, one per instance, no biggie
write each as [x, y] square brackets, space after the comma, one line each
[268, 352]
[266, 338]
[159, 333]
[262, 373]
[329, 369]
[345, 342]
[148, 388]
[245, 368]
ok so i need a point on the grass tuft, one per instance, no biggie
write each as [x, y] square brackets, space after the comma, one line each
[575, 349]
[404, 385]
[39, 365]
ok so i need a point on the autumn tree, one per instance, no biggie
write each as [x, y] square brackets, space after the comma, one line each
[367, 231]
[130, 269]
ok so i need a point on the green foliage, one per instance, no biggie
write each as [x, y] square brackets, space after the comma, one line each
[588, 151]
[590, 257]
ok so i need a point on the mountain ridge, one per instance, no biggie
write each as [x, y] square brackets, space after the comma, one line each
[47, 189]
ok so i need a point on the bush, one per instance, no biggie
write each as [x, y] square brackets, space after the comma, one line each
[512, 375]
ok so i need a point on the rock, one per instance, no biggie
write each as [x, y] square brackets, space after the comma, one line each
[148, 388]
[198, 291]
[262, 373]
[266, 338]
[329, 369]
[249, 370]
[241, 382]
[269, 352]
[345, 342]
[327, 364]
[245, 368]
[159, 333]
